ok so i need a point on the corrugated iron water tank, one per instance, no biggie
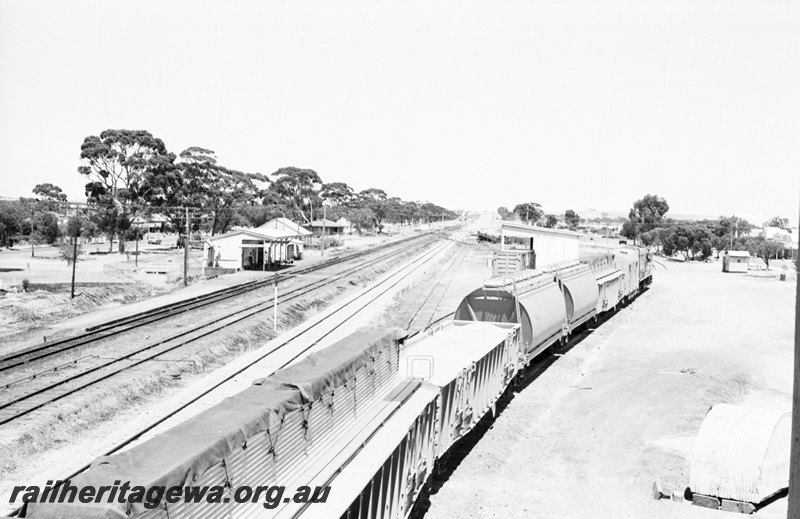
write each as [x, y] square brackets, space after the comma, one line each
[742, 453]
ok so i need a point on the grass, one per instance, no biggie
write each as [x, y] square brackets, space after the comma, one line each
[150, 383]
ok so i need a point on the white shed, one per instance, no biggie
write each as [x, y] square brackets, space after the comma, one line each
[735, 261]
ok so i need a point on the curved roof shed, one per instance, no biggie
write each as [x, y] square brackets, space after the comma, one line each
[742, 453]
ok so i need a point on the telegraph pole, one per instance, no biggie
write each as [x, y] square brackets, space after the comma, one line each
[322, 242]
[75, 250]
[275, 304]
[794, 459]
[31, 235]
[186, 252]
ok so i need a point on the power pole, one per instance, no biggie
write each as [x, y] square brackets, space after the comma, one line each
[275, 304]
[186, 252]
[794, 459]
[136, 257]
[322, 242]
[75, 251]
[31, 235]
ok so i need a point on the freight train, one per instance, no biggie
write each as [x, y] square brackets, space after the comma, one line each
[355, 430]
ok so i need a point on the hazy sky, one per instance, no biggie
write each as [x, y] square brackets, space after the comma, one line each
[581, 104]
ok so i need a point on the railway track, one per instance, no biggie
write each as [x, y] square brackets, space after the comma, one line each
[131, 322]
[350, 309]
[23, 404]
[424, 316]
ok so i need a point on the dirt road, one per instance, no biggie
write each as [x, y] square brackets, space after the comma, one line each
[588, 437]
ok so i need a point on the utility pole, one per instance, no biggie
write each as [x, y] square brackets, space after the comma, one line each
[31, 235]
[186, 252]
[275, 304]
[322, 242]
[75, 251]
[136, 230]
[794, 459]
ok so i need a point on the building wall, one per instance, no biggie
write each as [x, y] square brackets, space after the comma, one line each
[228, 250]
[554, 249]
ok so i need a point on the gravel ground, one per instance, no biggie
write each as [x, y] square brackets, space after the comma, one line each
[590, 434]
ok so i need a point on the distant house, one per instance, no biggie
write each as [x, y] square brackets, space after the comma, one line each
[347, 225]
[327, 227]
[151, 223]
[735, 261]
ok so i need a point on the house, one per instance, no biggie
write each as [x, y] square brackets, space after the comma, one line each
[347, 225]
[251, 249]
[151, 223]
[735, 261]
[325, 226]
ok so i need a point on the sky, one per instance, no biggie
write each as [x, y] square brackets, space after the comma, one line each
[474, 105]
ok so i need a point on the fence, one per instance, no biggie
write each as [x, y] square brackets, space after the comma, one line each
[161, 264]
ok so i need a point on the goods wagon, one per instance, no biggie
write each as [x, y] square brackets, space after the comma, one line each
[273, 433]
[609, 285]
[464, 369]
[579, 288]
[627, 261]
[530, 298]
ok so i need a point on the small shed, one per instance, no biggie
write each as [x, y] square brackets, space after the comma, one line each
[742, 453]
[325, 226]
[735, 261]
[251, 249]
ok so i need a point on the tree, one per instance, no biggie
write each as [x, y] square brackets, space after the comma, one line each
[731, 226]
[300, 188]
[12, 219]
[504, 213]
[46, 226]
[50, 196]
[763, 248]
[628, 230]
[572, 219]
[777, 221]
[646, 214]
[550, 221]
[375, 200]
[337, 193]
[116, 162]
[687, 238]
[529, 212]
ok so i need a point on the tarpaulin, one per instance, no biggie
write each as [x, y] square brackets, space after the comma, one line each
[336, 365]
[182, 454]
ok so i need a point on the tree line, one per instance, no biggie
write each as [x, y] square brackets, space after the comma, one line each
[699, 239]
[532, 213]
[131, 173]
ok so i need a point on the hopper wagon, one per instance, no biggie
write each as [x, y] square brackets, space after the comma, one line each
[366, 419]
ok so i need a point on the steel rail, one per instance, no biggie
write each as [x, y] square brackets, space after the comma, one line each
[247, 311]
[116, 327]
[216, 385]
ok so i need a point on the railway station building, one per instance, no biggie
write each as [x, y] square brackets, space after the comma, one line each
[284, 224]
[251, 249]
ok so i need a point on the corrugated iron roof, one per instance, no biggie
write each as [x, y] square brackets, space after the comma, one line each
[730, 452]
